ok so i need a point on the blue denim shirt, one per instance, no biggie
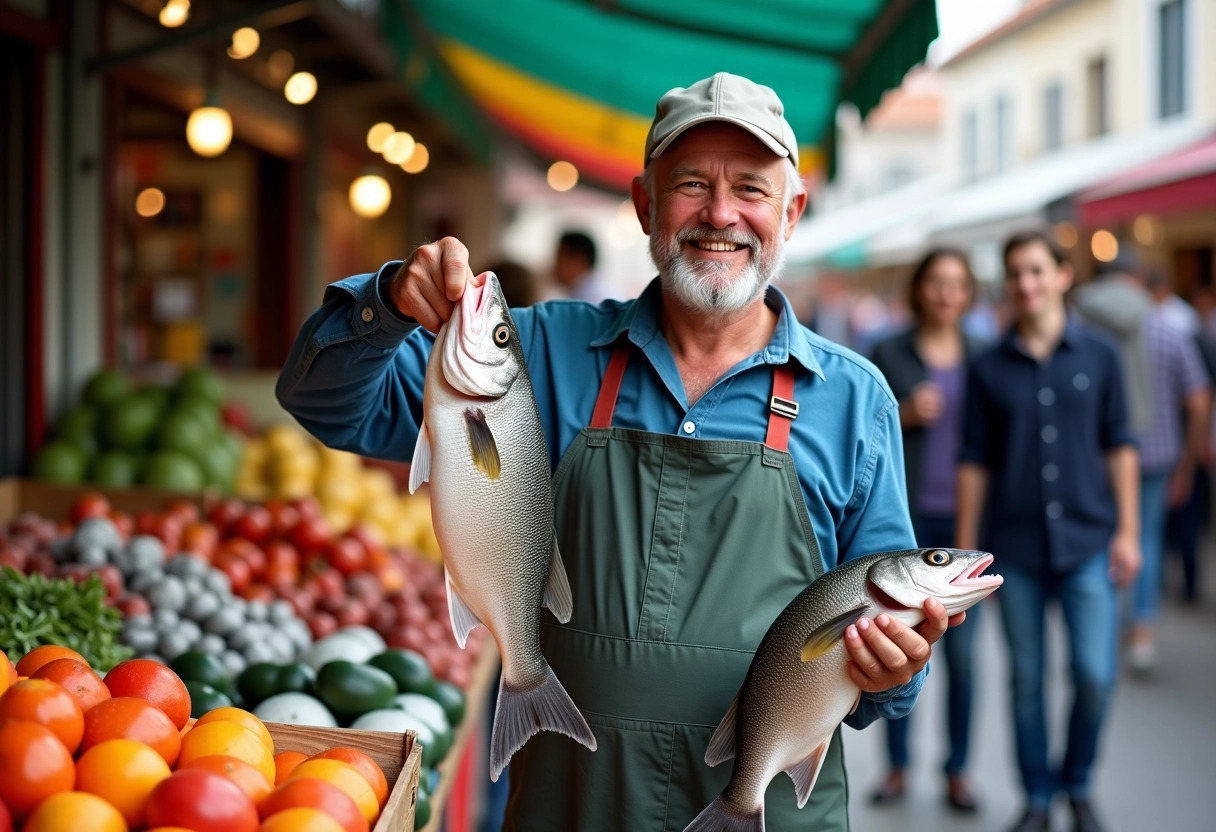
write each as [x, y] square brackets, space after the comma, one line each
[1042, 431]
[354, 379]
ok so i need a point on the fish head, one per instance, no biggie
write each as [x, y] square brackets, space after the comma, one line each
[481, 352]
[955, 577]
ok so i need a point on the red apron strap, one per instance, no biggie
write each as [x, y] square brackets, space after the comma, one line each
[610, 388]
[782, 409]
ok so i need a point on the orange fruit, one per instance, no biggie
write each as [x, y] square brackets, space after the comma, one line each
[231, 739]
[123, 773]
[346, 778]
[77, 678]
[152, 682]
[309, 792]
[169, 829]
[365, 765]
[36, 658]
[33, 766]
[37, 700]
[76, 811]
[284, 762]
[8, 673]
[251, 781]
[300, 820]
[125, 717]
[242, 717]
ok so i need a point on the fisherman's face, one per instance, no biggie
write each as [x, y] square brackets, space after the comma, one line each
[717, 217]
[1034, 281]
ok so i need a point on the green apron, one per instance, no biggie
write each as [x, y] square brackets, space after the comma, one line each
[680, 553]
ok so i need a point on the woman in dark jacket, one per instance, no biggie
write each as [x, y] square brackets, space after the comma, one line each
[926, 368]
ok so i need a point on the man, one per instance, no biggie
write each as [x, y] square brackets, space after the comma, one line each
[657, 515]
[1048, 456]
[574, 268]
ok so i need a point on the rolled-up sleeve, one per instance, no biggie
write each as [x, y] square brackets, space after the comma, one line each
[354, 377]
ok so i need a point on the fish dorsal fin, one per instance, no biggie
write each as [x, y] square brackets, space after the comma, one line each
[829, 632]
[420, 467]
[481, 443]
[722, 744]
[805, 773]
[557, 592]
[463, 618]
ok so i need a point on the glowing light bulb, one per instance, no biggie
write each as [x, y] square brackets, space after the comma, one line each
[398, 147]
[209, 131]
[300, 88]
[245, 41]
[174, 13]
[150, 202]
[419, 159]
[377, 134]
[369, 196]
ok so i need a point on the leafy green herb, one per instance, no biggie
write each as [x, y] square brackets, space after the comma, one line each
[38, 610]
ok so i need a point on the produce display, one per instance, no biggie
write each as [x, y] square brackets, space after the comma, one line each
[285, 463]
[90, 755]
[166, 437]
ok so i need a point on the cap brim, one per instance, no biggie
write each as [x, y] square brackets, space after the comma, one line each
[771, 143]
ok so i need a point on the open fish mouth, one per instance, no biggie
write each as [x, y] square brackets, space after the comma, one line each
[975, 577]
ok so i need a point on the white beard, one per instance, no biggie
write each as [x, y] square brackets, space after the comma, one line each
[705, 285]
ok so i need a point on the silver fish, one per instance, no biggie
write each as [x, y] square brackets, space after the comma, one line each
[797, 689]
[483, 450]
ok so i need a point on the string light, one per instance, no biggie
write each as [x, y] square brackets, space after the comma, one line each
[300, 88]
[245, 41]
[370, 196]
[174, 13]
[150, 202]
[377, 135]
[398, 147]
[419, 159]
[209, 130]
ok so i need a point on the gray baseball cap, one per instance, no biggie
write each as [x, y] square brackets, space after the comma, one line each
[724, 97]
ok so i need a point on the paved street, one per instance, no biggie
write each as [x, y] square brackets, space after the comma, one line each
[1158, 767]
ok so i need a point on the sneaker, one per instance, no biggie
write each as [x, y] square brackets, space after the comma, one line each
[1142, 657]
[1083, 817]
[1034, 820]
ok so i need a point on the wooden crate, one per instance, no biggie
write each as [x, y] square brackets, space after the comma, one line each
[399, 755]
[54, 501]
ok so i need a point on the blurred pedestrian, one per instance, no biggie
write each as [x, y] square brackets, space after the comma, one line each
[574, 268]
[926, 368]
[518, 283]
[1049, 460]
[1170, 454]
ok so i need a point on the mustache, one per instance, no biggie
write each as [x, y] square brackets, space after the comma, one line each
[734, 236]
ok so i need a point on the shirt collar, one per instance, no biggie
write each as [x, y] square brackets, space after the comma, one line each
[1072, 330]
[640, 319]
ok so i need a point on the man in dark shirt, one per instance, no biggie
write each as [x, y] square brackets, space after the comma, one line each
[1048, 457]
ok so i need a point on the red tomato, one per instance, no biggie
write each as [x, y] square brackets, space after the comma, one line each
[203, 801]
[390, 575]
[185, 511]
[238, 571]
[254, 525]
[257, 592]
[308, 507]
[347, 555]
[169, 528]
[353, 613]
[281, 574]
[383, 617]
[224, 513]
[322, 624]
[256, 558]
[146, 522]
[13, 556]
[366, 587]
[111, 579]
[311, 533]
[124, 522]
[280, 553]
[131, 603]
[301, 601]
[283, 517]
[90, 504]
[201, 539]
[330, 581]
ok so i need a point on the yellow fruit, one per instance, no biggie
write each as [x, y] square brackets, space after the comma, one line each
[232, 739]
[240, 716]
[346, 778]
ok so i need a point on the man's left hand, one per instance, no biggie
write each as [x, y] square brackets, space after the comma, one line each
[885, 653]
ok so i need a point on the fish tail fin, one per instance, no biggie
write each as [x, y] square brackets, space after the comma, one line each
[520, 715]
[720, 816]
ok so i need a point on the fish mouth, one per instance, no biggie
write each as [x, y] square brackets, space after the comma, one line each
[975, 577]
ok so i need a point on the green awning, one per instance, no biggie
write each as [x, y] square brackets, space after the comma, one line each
[578, 79]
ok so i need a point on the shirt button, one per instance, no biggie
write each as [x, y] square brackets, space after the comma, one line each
[1054, 510]
[1049, 434]
[1080, 381]
[1047, 397]
[689, 427]
[367, 314]
[1051, 472]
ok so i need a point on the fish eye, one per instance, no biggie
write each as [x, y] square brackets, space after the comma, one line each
[502, 335]
[937, 557]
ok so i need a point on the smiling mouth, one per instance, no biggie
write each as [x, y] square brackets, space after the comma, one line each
[715, 245]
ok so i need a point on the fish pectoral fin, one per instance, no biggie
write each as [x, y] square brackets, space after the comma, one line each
[463, 618]
[558, 598]
[420, 467]
[722, 744]
[481, 443]
[805, 773]
[828, 633]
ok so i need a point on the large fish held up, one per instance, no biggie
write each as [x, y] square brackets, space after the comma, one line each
[483, 450]
[797, 689]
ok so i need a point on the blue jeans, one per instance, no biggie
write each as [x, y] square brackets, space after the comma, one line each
[1146, 591]
[1089, 603]
[957, 646]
